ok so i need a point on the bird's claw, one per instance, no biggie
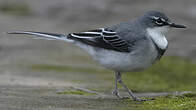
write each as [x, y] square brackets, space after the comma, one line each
[116, 93]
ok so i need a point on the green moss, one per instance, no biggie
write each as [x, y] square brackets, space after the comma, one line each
[170, 74]
[189, 95]
[170, 103]
[76, 92]
[15, 8]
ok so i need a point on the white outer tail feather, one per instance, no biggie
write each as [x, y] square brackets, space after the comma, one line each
[41, 35]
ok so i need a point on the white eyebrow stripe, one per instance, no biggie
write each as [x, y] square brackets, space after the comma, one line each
[163, 20]
[155, 17]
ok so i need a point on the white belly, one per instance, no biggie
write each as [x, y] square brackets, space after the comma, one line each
[123, 62]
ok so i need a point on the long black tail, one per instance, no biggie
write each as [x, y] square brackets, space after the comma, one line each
[44, 35]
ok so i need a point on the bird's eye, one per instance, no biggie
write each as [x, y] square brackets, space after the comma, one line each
[159, 21]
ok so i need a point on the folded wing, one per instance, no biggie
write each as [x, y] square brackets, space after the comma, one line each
[102, 38]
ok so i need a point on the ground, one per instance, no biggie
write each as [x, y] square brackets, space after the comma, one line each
[44, 75]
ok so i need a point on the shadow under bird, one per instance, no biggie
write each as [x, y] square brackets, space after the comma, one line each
[126, 47]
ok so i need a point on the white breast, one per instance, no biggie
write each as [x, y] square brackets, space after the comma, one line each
[157, 35]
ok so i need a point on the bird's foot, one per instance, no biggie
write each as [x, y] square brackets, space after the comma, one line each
[116, 93]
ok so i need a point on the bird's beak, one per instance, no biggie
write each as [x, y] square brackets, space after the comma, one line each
[176, 25]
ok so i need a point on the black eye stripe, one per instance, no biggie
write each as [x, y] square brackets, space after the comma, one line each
[159, 21]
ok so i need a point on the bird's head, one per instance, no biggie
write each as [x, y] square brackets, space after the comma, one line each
[158, 21]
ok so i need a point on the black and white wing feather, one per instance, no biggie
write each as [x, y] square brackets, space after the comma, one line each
[102, 38]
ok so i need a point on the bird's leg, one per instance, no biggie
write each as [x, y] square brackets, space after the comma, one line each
[135, 98]
[115, 91]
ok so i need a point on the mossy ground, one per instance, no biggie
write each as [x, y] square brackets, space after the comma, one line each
[73, 91]
[171, 103]
[169, 75]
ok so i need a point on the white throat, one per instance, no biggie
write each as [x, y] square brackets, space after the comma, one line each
[157, 35]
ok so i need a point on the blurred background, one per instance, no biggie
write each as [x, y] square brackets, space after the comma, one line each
[28, 62]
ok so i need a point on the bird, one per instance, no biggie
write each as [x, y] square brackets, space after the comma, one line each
[130, 46]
